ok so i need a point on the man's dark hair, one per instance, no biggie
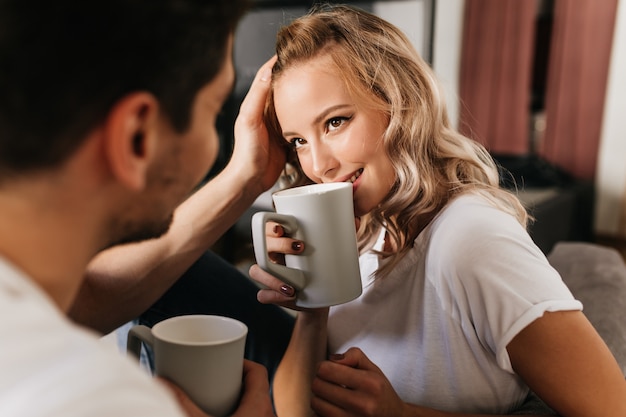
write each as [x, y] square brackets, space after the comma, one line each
[64, 63]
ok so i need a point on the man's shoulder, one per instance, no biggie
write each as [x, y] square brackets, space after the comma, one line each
[50, 366]
[72, 373]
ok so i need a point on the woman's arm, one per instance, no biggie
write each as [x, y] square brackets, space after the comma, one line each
[560, 356]
[563, 359]
[124, 281]
[307, 348]
[297, 369]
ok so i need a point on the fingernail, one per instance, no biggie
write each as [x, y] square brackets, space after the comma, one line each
[296, 246]
[287, 290]
[276, 229]
[336, 356]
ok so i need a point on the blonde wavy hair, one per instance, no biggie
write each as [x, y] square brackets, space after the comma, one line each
[433, 162]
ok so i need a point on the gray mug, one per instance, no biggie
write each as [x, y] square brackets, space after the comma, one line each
[327, 272]
[202, 354]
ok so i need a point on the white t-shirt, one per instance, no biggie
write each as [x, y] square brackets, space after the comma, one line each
[53, 368]
[439, 324]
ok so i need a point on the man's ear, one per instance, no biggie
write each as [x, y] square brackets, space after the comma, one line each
[130, 136]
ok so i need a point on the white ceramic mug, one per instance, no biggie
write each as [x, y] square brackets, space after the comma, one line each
[327, 272]
[202, 354]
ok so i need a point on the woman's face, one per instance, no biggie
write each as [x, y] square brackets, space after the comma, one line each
[336, 138]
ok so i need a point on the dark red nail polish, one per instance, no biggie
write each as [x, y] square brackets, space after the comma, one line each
[287, 290]
[296, 246]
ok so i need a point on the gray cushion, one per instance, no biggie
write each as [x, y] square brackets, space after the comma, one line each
[596, 275]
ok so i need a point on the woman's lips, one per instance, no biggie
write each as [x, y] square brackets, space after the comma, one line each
[355, 180]
[355, 176]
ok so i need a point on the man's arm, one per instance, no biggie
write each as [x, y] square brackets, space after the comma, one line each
[122, 282]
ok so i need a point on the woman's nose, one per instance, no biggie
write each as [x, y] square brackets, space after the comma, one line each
[323, 161]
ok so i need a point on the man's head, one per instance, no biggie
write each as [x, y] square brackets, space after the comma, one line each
[133, 87]
[64, 63]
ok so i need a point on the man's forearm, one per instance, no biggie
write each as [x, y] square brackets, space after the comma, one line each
[122, 282]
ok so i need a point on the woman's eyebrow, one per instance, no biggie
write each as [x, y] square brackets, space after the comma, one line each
[323, 115]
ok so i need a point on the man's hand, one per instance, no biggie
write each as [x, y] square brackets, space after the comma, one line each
[255, 400]
[256, 153]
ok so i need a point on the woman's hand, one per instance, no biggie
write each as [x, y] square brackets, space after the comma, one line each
[255, 400]
[351, 385]
[280, 244]
[275, 291]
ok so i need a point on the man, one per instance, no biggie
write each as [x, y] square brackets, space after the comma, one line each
[107, 122]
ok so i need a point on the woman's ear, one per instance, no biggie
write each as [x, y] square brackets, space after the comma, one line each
[130, 134]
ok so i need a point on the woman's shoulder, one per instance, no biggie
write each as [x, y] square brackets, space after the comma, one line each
[471, 225]
[472, 214]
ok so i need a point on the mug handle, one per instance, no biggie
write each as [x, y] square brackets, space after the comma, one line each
[291, 276]
[137, 334]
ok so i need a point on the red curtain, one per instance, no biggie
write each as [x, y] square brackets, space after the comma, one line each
[496, 74]
[576, 85]
[496, 64]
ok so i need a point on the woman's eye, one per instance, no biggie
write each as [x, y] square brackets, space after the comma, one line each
[296, 142]
[336, 122]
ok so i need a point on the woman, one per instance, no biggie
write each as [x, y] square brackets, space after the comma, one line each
[460, 312]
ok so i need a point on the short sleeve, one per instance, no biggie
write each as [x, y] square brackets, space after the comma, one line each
[492, 278]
